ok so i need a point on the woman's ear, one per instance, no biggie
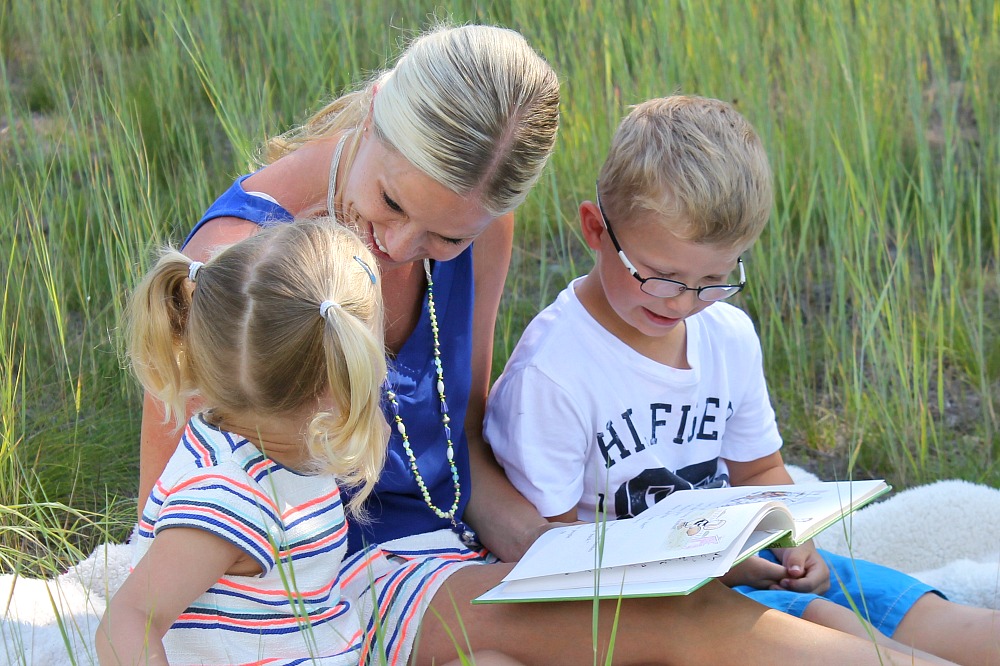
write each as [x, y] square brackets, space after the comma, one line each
[592, 224]
[371, 108]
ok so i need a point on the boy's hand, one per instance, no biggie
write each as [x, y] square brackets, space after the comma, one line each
[806, 570]
[801, 570]
[756, 572]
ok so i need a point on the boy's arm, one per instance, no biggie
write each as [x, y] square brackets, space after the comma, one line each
[568, 517]
[767, 471]
[161, 586]
[804, 569]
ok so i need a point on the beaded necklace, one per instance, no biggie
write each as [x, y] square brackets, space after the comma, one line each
[467, 536]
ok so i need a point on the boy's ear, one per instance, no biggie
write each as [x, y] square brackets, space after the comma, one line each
[592, 224]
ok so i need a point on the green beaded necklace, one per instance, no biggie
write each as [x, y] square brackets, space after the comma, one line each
[467, 535]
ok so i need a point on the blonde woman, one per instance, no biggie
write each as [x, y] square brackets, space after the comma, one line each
[427, 161]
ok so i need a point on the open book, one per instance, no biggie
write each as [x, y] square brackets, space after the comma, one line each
[679, 543]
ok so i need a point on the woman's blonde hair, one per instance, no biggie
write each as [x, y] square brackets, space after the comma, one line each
[696, 162]
[268, 327]
[474, 107]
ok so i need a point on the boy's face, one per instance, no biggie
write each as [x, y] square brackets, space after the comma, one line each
[655, 252]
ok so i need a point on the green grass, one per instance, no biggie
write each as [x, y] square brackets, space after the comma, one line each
[875, 287]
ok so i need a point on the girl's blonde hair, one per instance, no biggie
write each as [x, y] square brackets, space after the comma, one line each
[694, 161]
[473, 107]
[251, 335]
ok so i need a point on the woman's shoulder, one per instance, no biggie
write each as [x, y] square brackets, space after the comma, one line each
[294, 186]
[298, 181]
[210, 236]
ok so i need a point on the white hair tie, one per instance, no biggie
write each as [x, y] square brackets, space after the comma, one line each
[325, 306]
[193, 269]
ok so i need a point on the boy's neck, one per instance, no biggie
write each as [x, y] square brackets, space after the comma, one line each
[669, 350]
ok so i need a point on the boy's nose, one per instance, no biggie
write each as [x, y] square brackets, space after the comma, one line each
[682, 303]
[689, 294]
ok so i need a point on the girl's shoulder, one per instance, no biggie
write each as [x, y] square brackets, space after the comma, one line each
[202, 446]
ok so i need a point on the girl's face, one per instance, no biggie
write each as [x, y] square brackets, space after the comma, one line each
[402, 213]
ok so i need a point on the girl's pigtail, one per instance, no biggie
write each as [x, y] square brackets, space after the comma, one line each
[157, 319]
[352, 443]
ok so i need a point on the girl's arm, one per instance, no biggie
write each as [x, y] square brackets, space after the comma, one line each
[505, 521]
[161, 586]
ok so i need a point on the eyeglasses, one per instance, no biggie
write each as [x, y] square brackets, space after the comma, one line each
[664, 288]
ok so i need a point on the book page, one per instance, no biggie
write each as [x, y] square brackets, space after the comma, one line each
[682, 568]
[814, 506]
[501, 593]
[680, 531]
[677, 544]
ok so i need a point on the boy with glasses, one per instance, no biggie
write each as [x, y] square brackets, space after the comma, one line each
[638, 381]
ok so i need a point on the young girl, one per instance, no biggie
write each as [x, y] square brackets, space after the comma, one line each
[240, 548]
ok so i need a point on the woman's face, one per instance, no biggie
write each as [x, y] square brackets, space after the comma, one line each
[402, 213]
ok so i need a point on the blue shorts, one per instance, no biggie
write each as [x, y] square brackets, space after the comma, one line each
[880, 594]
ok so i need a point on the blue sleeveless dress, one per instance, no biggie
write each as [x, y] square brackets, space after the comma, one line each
[413, 379]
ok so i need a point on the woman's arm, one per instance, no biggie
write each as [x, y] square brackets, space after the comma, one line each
[158, 439]
[161, 586]
[505, 521]
[157, 442]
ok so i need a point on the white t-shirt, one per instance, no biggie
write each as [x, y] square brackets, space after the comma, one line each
[580, 419]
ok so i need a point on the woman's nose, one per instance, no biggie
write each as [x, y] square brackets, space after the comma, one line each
[403, 240]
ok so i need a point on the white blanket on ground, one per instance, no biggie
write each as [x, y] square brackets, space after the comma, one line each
[946, 534]
[46, 621]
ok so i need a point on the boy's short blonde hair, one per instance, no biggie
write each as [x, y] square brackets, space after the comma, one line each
[696, 162]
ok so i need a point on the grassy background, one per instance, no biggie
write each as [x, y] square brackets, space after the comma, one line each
[875, 287]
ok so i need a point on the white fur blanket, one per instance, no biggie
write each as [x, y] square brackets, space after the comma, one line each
[53, 622]
[946, 534]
